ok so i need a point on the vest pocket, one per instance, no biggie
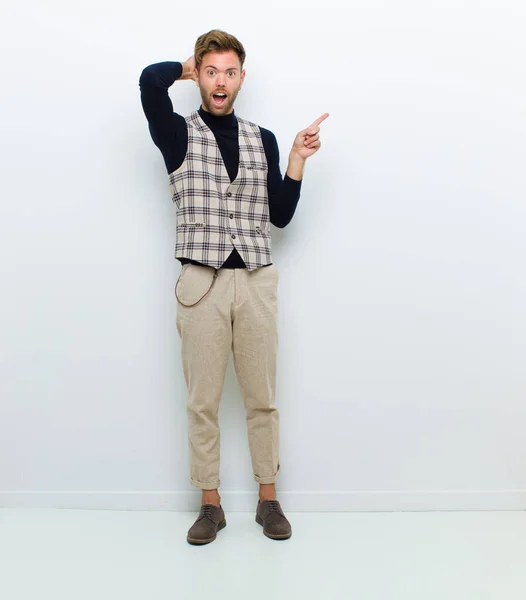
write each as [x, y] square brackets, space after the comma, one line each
[263, 230]
[191, 221]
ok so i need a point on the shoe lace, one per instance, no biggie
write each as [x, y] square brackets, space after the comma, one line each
[206, 511]
[273, 505]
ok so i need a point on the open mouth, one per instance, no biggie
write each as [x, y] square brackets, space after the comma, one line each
[219, 99]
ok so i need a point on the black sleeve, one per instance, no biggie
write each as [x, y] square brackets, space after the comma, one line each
[283, 193]
[168, 129]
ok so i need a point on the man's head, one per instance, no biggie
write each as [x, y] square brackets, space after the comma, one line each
[219, 59]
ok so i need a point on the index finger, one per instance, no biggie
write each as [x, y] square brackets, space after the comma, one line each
[320, 120]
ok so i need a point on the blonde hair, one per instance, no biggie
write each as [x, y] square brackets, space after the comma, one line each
[217, 41]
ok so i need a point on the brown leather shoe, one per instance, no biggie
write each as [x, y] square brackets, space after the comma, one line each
[274, 522]
[211, 519]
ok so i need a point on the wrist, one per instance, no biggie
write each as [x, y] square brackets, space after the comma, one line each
[296, 166]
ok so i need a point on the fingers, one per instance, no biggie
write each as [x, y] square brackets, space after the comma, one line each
[312, 131]
[311, 139]
[314, 146]
[315, 127]
[318, 122]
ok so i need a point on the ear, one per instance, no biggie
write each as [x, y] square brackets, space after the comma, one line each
[243, 73]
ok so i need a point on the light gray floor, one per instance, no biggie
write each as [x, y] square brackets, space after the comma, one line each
[98, 555]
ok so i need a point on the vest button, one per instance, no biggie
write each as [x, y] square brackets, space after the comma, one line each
[229, 194]
[234, 236]
[231, 216]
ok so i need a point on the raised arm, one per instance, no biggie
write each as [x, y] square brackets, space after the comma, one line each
[157, 105]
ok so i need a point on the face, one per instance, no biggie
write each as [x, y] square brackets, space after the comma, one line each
[220, 78]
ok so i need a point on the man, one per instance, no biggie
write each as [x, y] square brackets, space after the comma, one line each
[226, 182]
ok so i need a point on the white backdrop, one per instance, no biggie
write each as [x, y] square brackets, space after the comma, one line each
[401, 380]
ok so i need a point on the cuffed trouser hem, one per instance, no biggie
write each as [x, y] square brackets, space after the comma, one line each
[265, 479]
[271, 479]
[214, 485]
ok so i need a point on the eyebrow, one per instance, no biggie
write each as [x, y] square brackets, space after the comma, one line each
[228, 69]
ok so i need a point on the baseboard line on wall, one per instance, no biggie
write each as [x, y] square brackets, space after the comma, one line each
[293, 501]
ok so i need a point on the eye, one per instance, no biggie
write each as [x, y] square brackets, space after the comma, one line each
[210, 72]
[231, 73]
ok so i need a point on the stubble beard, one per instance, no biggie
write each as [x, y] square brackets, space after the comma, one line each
[224, 110]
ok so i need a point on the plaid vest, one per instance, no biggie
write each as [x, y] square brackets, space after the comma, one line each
[215, 215]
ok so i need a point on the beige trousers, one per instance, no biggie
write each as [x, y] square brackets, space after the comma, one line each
[238, 314]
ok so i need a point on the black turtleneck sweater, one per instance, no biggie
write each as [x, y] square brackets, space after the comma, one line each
[169, 133]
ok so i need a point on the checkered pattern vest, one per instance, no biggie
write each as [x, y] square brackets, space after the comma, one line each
[215, 215]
